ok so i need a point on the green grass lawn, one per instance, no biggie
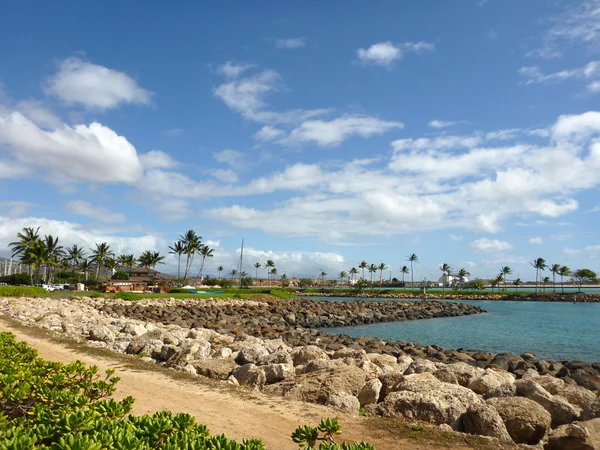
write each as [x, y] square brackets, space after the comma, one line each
[229, 293]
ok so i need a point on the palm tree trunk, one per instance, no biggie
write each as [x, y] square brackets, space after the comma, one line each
[562, 284]
[98, 270]
[30, 274]
[412, 278]
[179, 266]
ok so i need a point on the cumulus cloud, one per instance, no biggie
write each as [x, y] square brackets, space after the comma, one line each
[290, 43]
[39, 114]
[441, 123]
[80, 153]
[536, 240]
[589, 72]
[490, 245]
[268, 133]
[93, 86]
[387, 53]
[333, 132]
[233, 158]
[232, 70]
[225, 175]
[156, 159]
[83, 208]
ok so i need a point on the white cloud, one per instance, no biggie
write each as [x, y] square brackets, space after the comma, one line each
[225, 175]
[533, 75]
[247, 96]
[290, 43]
[83, 208]
[536, 240]
[16, 208]
[157, 159]
[233, 158]
[579, 25]
[82, 83]
[268, 133]
[456, 237]
[232, 70]
[334, 132]
[503, 135]
[386, 53]
[441, 123]
[490, 245]
[39, 114]
[174, 132]
[13, 169]
[81, 153]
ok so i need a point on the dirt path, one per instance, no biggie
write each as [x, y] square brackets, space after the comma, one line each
[235, 412]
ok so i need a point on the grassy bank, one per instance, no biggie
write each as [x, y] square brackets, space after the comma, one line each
[250, 294]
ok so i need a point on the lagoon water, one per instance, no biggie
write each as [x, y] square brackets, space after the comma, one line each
[560, 331]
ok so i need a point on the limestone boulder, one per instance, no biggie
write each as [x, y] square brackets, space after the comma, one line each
[420, 366]
[370, 369]
[576, 395]
[575, 436]
[390, 382]
[429, 401]
[446, 375]
[274, 345]
[102, 334]
[251, 355]
[278, 357]
[381, 360]
[250, 375]
[464, 372]
[316, 387]
[370, 392]
[223, 352]
[304, 355]
[191, 350]
[562, 412]
[490, 379]
[140, 343]
[592, 411]
[506, 390]
[354, 354]
[526, 421]
[278, 372]
[484, 420]
[404, 362]
[344, 401]
[215, 368]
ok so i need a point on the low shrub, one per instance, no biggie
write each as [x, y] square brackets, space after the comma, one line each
[21, 291]
[178, 291]
[120, 275]
[53, 406]
[18, 278]
[128, 296]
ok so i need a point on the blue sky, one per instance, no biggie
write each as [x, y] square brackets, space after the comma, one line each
[465, 132]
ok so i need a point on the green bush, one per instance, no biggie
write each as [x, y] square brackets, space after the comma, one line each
[178, 291]
[52, 406]
[21, 291]
[225, 283]
[120, 275]
[18, 278]
[128, 296]
[247, 282]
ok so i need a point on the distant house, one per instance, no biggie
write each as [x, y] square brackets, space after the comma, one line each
[141, 279]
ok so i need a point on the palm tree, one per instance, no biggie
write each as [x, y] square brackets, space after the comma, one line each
[27, 238]
[233, 273]
[404, 271]
[128, 261]
[192, 243]
[544, 281]
[323, 274]
[446, 269]
[555, 269]
[564, 272]
[220, 269]
[37, 256]
[539, 265]
[381, 268]
[110, 264]
[284, 280]
[372, 269]
[269, 265]
[273, 272]
[342, 275]
[54, 253]
[462, 276]
[86, 265]
[145, 259]
[75, 255]
[505, 271]
[205, 252]
[155, 259]
[99, 254]
[363, 265]
[412, 259]
[178, 248]
[518, 283]
[257, 266]
[496, 281]
[353, 272]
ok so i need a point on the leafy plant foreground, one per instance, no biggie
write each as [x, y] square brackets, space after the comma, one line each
[48, 405]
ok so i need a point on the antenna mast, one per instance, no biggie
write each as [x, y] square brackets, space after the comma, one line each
[241, 262]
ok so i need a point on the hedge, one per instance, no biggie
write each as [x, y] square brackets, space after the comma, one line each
[49, 405]
[21, 291]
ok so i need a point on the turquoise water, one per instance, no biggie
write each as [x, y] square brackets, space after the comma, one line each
[560, 331]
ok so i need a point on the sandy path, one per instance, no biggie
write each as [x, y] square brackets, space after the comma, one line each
[239, 415]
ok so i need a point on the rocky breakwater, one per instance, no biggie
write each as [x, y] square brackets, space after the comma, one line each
[406, 295]
[580, 297]
[535, 409]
